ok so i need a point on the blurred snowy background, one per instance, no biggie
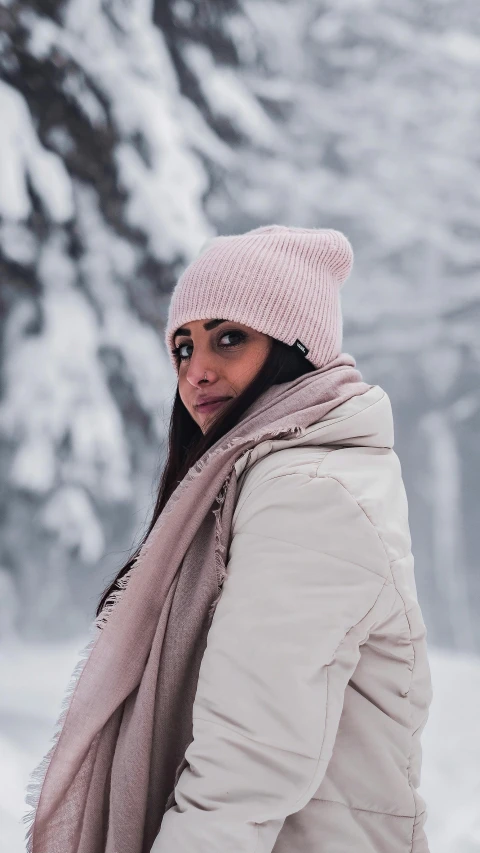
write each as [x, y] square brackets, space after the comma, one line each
[130, 131]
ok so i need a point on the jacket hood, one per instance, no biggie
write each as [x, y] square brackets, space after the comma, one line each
[365, 420]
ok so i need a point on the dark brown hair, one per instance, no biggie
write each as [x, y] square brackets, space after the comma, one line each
[187, 443]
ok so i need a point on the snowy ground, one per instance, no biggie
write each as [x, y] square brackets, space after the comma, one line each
[33, 680]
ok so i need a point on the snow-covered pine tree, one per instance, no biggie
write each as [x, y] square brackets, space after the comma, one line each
[131, 132]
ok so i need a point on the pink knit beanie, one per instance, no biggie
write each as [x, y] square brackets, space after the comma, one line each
[277, 279]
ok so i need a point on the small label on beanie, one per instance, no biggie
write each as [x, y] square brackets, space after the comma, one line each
[303, 349]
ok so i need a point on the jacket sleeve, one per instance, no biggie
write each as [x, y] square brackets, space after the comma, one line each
[307, 578]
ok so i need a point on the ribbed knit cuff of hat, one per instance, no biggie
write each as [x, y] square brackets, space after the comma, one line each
[281, 280]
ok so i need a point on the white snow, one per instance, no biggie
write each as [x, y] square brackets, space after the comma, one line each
[463, 46]
[22, 157]
[228, 96]
[108, 260]
[360, 115]
[451, 748]
[70, 514]
[448, 530]
[34, 678]
[136, 74]
[55, 391]
[18, 243]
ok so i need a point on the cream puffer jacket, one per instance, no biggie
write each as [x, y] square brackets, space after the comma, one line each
[315, 686]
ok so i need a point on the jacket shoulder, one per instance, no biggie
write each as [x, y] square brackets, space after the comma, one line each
[371, 475]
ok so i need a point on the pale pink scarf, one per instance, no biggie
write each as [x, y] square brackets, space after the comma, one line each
[127, 718]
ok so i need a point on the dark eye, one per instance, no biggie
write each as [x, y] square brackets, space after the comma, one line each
[177, 351]
[237, 336]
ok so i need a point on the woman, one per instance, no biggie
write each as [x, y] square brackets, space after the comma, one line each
[260, 678]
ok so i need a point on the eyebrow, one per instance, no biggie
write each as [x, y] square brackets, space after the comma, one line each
[211, 324]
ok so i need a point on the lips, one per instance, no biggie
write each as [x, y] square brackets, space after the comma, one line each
[210, 401]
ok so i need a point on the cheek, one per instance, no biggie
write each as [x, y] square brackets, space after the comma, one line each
[244, 370]
[183, 388]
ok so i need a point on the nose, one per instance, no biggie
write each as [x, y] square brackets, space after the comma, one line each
[199, 372]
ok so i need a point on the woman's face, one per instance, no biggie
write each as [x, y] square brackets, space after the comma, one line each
[228, 354]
